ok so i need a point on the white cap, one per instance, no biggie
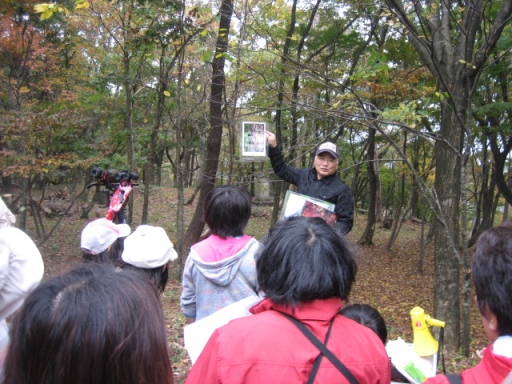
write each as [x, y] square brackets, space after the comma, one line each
[148, 247]
[100, 234]
[21, 269]
[6, 217]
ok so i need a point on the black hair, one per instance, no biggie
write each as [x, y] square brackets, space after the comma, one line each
[492, 275]
[227, 210]
[368, 316]
[158, 276]
[304, 259]
[102, 257]
[93, 325]
[112, 253]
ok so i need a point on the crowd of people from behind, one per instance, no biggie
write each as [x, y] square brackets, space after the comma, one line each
[102, 320]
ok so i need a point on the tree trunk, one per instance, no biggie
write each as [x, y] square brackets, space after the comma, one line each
[367, 237]
[179, 174]
[397, 206]
[163, 77]
[280, 187]
[378, 194]
[446, 235]
[485, 211]
[211, 160]
[415, 193]
[421, 253]
[128, 93]
[455, 55]
[159, 158]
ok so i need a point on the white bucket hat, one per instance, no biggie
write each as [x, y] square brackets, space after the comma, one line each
[148, 247]
[100, 234]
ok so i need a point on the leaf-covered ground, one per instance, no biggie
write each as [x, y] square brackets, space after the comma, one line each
[387, 280]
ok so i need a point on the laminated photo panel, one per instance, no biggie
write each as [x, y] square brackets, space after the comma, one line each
[296, 204]
[253, 142]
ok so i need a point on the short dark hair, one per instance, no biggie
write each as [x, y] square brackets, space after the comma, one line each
[491, 268]
[158, 276]
[368, 316]
[102, 257]
[304, 259]
[110, 254]
[227, 210]
[93, 325]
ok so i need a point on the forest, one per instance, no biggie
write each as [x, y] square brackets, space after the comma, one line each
[414, 93]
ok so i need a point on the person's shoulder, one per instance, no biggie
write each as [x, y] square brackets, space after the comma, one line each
[357, 330]
[253, 244]
[241, 328]
[339, 185]
[335, 179]
[252, 324]
[12, 233]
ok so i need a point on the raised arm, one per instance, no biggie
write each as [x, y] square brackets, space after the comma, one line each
[281, 169]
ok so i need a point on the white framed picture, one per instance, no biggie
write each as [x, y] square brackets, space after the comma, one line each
[296, 204]
[254, 143]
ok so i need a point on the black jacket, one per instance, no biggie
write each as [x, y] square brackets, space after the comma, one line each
[329, 188]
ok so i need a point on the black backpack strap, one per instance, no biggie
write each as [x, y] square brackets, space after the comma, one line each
[318, 360]
[454, 378]
[322, 348]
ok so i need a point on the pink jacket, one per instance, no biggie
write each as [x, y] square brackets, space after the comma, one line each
[268, 348]
[492, 369]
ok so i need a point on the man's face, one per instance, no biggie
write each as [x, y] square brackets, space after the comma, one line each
[325, 164]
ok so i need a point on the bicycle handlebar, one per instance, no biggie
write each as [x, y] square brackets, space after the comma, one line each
[112, 187]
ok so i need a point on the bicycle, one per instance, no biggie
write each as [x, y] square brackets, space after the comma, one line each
[117, 187]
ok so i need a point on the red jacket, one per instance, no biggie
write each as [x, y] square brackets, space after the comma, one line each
[269, 348]
[492, 369]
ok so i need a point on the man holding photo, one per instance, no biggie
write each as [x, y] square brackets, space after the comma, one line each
[320, 181]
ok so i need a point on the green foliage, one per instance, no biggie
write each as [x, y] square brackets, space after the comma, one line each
[116, 161]
[89, 60]
[405, 112]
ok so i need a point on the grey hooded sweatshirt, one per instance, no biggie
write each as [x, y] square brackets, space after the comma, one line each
[210, 286]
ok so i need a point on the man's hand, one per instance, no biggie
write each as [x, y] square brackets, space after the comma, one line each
[271, 139]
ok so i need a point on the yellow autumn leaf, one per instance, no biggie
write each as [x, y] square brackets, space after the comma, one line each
[167, 93]
[40, 8]
[85, 4]
[46, 14]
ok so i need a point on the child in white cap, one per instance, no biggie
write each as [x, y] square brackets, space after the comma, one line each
[98, 240]
[21, 270]
[149, 249]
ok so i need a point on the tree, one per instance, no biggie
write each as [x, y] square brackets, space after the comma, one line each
[41, 127]
[454, 39]
[217, 90]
